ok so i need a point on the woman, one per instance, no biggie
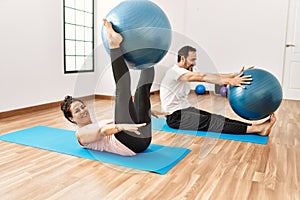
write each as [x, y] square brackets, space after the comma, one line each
[131, 132]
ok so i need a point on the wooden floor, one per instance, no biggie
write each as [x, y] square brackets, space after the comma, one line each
[215, 169]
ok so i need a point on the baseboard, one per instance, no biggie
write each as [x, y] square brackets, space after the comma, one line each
[22, 111]
[40, 107]
[104, 97]
[56, 104]
[156, 92]
[107, 97]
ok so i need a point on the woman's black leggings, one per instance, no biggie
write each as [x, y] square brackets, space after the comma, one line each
[128, 111]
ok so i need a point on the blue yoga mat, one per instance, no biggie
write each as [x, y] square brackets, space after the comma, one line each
[156, 158]
[161, 125]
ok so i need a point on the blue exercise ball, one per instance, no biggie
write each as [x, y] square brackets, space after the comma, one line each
[259, 99]
[200, 89]
[146, 32]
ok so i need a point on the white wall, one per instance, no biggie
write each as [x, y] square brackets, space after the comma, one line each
[227, 34]
[31, 52]
[236, 33]
[231, 33]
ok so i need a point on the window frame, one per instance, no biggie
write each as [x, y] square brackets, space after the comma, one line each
[92, 54]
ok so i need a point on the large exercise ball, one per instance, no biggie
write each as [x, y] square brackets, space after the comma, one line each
[259, 99]
[146, 32]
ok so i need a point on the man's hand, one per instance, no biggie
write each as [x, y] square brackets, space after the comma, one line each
[242, 71]
[241, 80]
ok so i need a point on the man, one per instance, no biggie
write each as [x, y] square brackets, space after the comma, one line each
[174, 92]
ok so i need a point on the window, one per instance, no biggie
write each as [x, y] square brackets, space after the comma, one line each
[78, 36]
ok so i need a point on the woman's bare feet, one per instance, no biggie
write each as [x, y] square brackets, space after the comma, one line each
[268, 125]
[114, 38]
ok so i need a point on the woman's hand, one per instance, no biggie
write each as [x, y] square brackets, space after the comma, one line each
[110, 129]
[129, 127]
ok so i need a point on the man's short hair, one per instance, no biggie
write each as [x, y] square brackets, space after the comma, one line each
[184, 51]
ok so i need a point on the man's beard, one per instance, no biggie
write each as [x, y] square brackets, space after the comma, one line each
[190, 68]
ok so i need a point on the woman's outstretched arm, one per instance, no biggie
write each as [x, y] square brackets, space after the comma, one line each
[94, 132]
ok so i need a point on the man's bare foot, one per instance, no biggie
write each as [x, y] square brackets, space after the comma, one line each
[114, 38]
[268, 125]
[263, 128]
